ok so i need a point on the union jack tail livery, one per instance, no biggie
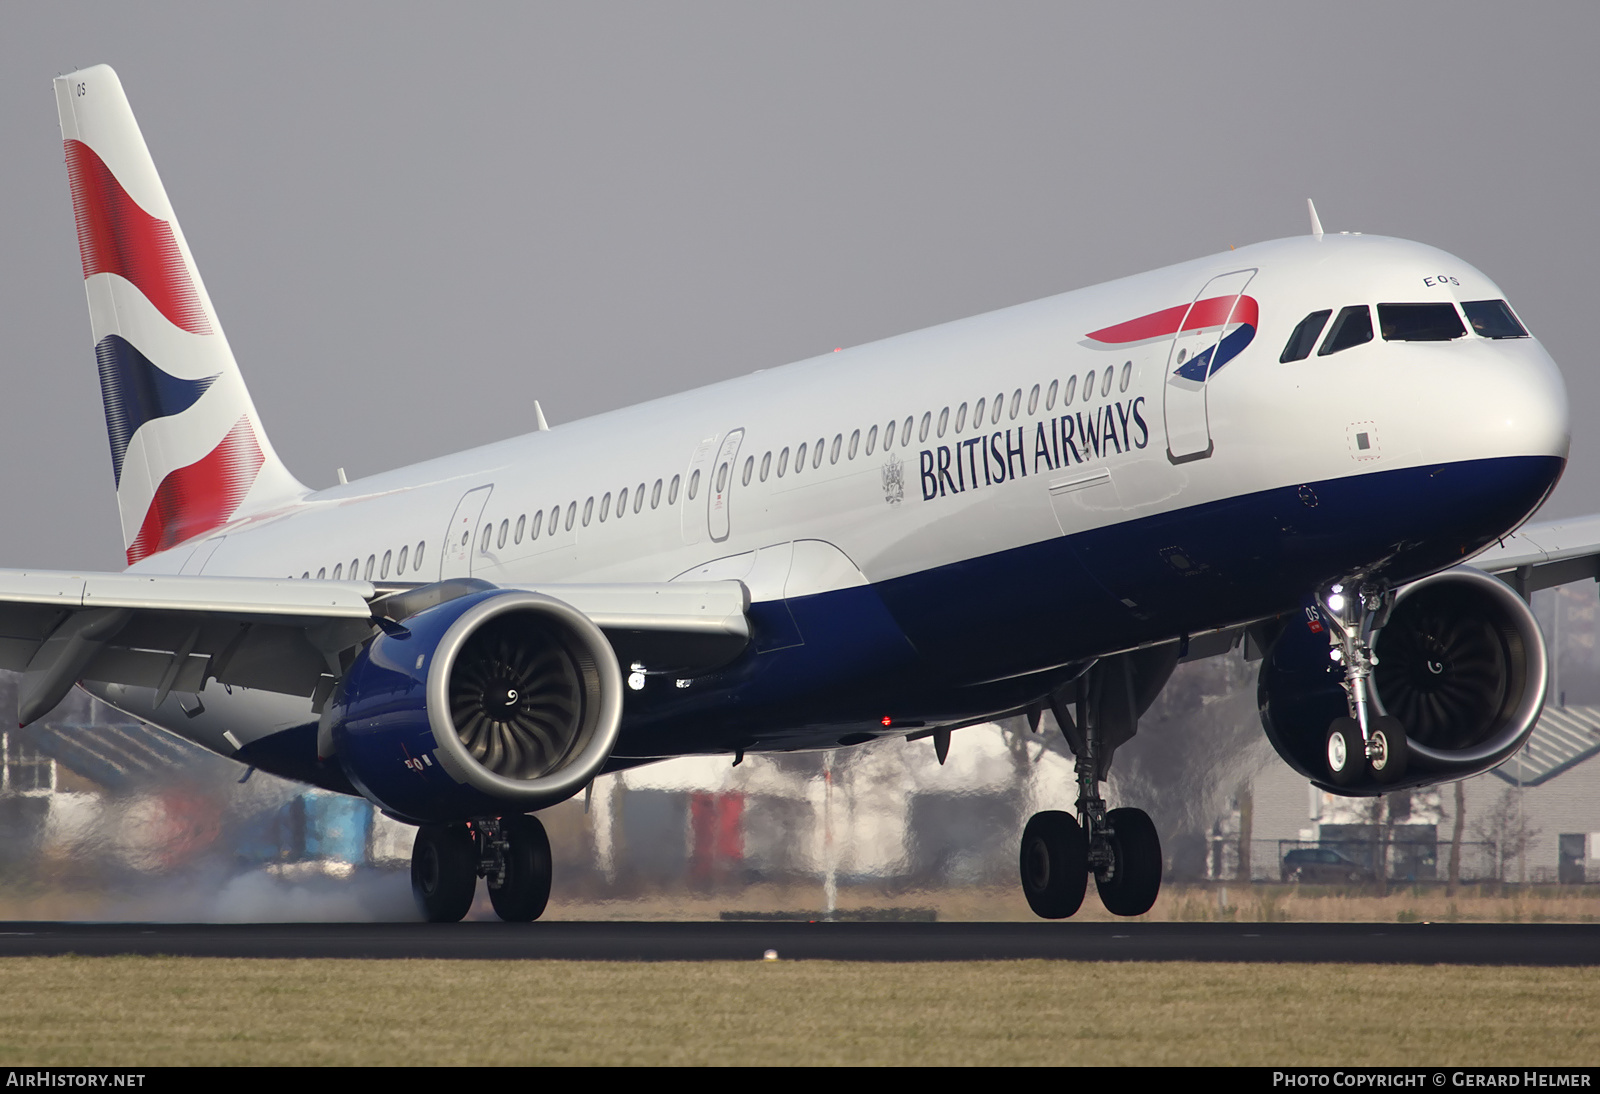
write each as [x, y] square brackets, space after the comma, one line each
[187, 448]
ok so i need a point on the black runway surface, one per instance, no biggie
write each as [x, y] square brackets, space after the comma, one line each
[1544, 944]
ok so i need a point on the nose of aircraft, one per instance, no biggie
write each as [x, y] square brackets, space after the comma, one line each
[1497, 410]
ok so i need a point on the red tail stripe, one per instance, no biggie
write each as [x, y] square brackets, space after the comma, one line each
[201, 496]
[116, 236]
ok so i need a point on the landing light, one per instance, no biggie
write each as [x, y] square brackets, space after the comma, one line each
[1336, 603]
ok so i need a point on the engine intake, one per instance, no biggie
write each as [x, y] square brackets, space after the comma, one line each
[500, 701]
[1460, 661]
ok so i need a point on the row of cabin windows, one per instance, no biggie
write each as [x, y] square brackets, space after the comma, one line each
[539, 524]
[1434, 322]
[492, 538]
[376, 570]
[983, 407]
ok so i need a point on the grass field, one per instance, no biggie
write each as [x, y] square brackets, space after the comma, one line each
[133, 1011]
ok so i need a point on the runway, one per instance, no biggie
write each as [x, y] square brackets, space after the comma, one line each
[1543, 944]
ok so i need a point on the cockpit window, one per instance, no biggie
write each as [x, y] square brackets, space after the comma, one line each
[1493, 319]
[1419, 322]
[1352, 327]
[1304, 338]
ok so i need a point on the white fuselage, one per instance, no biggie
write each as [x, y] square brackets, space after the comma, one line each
[871, 513]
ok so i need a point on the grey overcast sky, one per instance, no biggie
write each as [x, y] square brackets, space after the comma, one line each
[414, 219]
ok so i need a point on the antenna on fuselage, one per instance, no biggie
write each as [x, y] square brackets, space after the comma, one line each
[538, 418]
[1316, 223]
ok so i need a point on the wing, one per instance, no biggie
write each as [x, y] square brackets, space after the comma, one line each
[1543, 555]
[176, 633]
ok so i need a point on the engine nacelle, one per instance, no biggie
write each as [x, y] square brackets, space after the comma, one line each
[497, 702]
[1460, 661]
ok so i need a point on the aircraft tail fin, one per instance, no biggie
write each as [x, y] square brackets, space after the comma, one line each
[187, 449]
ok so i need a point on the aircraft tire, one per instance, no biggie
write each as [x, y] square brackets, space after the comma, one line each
[444, 872]
[1136, 879]
[1346, 752]
[522, 897]
[1390, 763]
[1054, 864]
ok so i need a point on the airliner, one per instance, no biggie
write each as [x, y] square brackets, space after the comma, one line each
[1291, 450]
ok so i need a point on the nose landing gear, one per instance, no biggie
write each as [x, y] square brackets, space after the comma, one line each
[1365, 740]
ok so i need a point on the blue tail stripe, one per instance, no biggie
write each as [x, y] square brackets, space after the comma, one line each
[135, 391]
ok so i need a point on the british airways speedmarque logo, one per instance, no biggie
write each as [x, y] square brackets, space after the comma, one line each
[1213, 313]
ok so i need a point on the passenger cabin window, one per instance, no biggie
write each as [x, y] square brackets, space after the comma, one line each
[1072, 390]
[1493, 319]
[1304, 338]
[522, 525]
[799, 459]
[1127, 376]
[400, 563]
[1050, 396]
[1033, 399]
[872, 442]
[1105, 385]
[855, 446]
[672, 492]
[1420, 322]
[1352, 327]
[749, 470]
[388, 557]
[416, 563]
[338, 572]
[961, 417]
[816, 455]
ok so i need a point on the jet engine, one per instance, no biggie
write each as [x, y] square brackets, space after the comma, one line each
[1460, 662]
[500, 701]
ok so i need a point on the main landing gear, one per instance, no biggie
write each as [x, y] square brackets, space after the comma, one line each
[1365, 740]
[1119, 846]
[512, 853]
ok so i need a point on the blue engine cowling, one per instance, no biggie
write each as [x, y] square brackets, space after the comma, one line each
[1460, 661]
[497, 702]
